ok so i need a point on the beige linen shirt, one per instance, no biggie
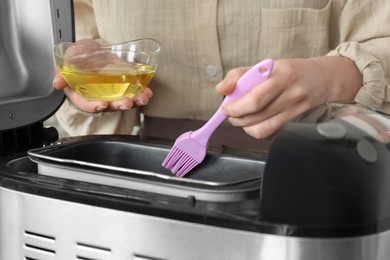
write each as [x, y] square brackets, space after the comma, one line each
[201, 40]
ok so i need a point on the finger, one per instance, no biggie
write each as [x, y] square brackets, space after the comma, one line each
[268, 127]
[264, 130]
[226, 86]
[83, 104]
[58, 81]
[291, 101]
[81, 46]
[271, 124]
[121, 104]
[141, 99]
[148, 92]
[256, 100]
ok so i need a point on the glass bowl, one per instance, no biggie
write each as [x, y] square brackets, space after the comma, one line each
[107, 72]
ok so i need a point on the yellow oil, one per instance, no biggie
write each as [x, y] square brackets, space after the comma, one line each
[112, 82]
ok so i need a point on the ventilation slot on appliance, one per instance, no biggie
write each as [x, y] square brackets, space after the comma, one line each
[38, 246]
[92, 252]
[32, 136]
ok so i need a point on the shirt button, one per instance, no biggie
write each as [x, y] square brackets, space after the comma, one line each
[211, 71]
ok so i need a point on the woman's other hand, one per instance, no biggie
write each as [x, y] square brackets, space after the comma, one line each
[96, 106]
[295, 85]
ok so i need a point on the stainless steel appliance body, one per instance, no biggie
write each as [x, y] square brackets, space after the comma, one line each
[40, 227]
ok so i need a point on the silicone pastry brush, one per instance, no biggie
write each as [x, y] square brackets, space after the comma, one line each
[190, 148]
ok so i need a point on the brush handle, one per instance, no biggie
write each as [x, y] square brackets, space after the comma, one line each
[252, 78]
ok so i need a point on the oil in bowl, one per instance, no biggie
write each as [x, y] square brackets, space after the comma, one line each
[112, 82]
[108, 72]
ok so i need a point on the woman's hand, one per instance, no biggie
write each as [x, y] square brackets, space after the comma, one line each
[97, 106]
[295, 85]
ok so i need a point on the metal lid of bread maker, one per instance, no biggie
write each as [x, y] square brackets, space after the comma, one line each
[26, 59]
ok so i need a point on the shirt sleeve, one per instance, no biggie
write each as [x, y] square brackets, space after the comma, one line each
[365, 39]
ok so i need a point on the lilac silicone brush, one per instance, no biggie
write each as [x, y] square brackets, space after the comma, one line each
[190, 148]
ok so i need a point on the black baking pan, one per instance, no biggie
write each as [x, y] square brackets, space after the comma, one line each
[132, 162]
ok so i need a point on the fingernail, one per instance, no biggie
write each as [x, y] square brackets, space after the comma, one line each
[100, 108]
[54, 80]
[122, 108]
[140, 103]
[219, 84]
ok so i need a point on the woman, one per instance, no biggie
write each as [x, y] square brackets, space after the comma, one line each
[326, 50]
